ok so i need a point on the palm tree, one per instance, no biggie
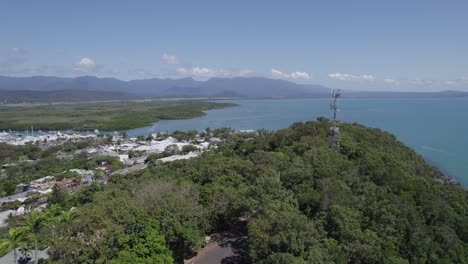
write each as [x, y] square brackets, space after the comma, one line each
[52, 213]
[34, 223]
[68, 216]
[16, 237]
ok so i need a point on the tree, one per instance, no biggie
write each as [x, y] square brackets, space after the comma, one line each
[172, 149]
[283, 258]
[109, 139]
[124, 135]
[8, 187]
[58, 196]
[189, 148]
[375, 201]
[280, 228]
[34, 222]
[149, 139]
[16, 237]
[147, 246]
[51, 213]
[179, 213]
[109, 230]
[68, 216]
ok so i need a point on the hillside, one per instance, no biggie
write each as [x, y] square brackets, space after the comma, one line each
[24, 96]
[288, 192]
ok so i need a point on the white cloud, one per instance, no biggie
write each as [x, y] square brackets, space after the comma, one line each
[209, 73]
[351, 77]
[86, 62]
[196, 72]
[440, 83]
[85, 65]
[391, 81]
[289, 75]
[244, 73]
[17, 52]
[423, 82]
[457, 82]
[170, 59]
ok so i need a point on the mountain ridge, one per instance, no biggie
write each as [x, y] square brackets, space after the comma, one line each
[236, 87]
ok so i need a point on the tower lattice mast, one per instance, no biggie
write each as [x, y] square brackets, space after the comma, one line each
[335, 129]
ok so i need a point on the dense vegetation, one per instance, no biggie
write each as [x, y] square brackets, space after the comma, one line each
[102, 116]
[14, 97]
[376, 201]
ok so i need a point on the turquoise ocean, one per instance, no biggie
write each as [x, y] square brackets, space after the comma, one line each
[436, 128]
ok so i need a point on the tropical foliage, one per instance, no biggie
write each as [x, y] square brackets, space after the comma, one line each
[374, 201]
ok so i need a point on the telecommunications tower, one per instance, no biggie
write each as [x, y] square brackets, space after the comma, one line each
[335, 129]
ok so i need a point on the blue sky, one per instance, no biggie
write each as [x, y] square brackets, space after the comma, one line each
[368, 45]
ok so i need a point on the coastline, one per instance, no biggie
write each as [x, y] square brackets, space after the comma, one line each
[109, 116]
[409, 126]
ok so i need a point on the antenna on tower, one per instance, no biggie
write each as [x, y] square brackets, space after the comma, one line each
[335, 129]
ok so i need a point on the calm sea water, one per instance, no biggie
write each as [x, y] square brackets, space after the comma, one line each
[435, 128]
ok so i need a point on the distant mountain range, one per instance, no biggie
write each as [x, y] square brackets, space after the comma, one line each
[85, 87]
[185, 87]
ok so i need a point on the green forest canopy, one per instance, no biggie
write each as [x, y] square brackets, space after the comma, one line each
[376, 201]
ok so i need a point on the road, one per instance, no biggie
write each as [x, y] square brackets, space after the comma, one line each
[224, 248]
